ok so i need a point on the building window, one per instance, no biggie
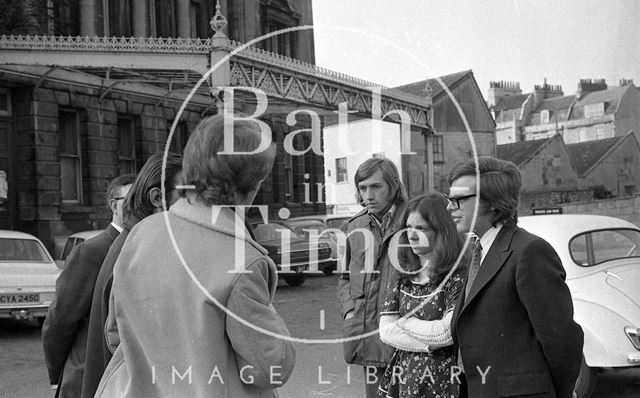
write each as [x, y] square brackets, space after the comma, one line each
[180, 137]
[341, 170]
[70, 157]
[438, 149]
[163, 18]
[379, 155]
[5, 102]
[544, 116]
[126, 146]
[118, 18]
[195, 15]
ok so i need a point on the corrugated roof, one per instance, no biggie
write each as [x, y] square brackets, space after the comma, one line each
[418, 88]
[584, 155]
[520, 152]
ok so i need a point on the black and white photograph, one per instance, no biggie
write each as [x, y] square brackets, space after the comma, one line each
[319, 198]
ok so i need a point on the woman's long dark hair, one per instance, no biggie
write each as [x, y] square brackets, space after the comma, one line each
[448, 242]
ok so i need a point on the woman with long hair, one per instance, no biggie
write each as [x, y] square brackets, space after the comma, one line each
[416, 316]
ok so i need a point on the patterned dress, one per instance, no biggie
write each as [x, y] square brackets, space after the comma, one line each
[421, 374]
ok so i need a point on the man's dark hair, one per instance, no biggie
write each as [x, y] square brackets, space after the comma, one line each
[114, 186]
[499, 185]
[138, 204]
[390, 175]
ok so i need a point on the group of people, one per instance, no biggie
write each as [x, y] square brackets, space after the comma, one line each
[442, 296]
[465, 303]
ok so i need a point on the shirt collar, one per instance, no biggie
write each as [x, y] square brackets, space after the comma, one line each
[488, 238]
[117, 227]
[387, 215]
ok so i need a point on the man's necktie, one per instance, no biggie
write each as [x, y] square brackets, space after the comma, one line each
[473, 267]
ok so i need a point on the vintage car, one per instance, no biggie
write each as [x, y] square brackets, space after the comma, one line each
[27, 277]
[601, 256]
[314, 229]
[325, 225]
[72, 241]
[292, 262]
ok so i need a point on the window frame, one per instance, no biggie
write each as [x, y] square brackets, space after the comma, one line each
[77, 156]
[345, 174]
[437, 146]
[123, 159]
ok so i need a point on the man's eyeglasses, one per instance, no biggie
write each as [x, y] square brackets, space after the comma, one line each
[455, 200]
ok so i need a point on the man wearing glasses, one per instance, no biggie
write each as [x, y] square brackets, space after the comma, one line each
[513, 325]
[64, 333]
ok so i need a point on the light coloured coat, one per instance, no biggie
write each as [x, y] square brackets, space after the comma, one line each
[195, 327]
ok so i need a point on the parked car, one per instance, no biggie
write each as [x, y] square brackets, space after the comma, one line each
[601, 256]
[72, 241]
[27, 277]
[293, 262]
[321, 223]
[310, 229]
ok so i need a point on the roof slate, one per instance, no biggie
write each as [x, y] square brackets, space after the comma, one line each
[520, 152]
[584, 155]
[449, 81]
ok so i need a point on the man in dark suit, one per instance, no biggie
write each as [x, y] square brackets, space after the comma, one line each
[513, 326]
[64, 333]
[144, 198]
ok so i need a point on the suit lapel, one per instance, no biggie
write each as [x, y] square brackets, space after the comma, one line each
[495, 259]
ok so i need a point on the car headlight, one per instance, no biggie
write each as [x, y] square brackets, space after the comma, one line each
[634, 335]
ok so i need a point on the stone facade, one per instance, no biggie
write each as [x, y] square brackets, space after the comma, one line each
[626, 208]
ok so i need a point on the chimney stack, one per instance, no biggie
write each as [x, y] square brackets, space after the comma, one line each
[625, 82]
[502, 89]
[589, 86]
[545, 91]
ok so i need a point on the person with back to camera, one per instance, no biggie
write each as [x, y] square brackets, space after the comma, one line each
[416, 316]
[209, 318]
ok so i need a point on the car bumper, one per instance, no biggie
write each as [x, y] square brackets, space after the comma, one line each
[633, 358]
[36, 311]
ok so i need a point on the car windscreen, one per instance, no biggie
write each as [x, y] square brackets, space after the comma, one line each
[264, 232]
[596, 247]
[22, 250]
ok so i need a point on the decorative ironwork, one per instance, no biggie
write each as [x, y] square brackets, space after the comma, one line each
[100, 44]
[324, 92]
[270, 58]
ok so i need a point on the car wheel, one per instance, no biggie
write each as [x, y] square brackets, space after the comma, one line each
[587, 380]
[328, 270]
[295, 279]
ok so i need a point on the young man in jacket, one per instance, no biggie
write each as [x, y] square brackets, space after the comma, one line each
[64, 333]
[513, 325]
[361, 289]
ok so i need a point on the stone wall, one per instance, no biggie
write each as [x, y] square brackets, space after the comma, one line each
[550, 199]
[626, 208]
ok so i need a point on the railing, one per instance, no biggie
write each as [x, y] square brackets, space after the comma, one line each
[121, 44]
[194, 46]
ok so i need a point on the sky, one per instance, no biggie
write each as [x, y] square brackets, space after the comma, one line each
[396, 42]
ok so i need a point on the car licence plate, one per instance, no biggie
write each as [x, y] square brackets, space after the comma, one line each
[19, 298]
